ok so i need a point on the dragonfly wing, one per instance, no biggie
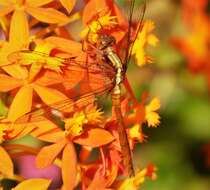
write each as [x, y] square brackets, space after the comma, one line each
[80, 85]
[139, 20]
[81, 62]
[135, 15]
[73, 104]
[26, 57]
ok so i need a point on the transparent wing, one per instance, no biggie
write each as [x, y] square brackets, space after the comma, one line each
[135, 15]
[139, 21]
[80, 81]
[26, 57]
[73, 104]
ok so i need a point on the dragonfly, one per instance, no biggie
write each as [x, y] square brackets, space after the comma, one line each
[101, 78]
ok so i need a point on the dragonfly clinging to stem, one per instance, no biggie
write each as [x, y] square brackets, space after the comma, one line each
[112, 70]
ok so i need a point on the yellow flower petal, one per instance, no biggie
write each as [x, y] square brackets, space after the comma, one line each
[152, 117]
[47, 15]
[6, 165]
[16, 71]
[93, 114]
[19, 29]
[6, 10]
[154, 105]
[33, 184]
[37, 3]
[135, 132]
[105, 21]
[144, 38]
[21, 104]
[68, 4]
[74, 125]
[152, 40]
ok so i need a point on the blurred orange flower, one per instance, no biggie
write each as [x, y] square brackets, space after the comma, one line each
[195, 46]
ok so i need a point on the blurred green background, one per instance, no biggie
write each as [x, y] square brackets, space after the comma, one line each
[178, 145]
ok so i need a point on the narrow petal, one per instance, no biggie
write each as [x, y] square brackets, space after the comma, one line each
[48, 154]
[26, 130]
[5, 2]
[37, 3]
[8, 83]
[92, 8]
[94, 138]
[49, 95]
[65, 45]
[47, 15]
[19, 29]
[33, 184]
[48, 127]
[68, 4]
[69, 167]
[6, 165]
[52, 137]
[152, 117]
[6, 50]
[21, 104]
[5, 10]
[154, 105]
[16, 71]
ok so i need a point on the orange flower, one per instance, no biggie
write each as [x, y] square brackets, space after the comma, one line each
[22, 102]
[63, 142]
[135, 182]
[195, 46]
[64, 87]
[103, 22]
[32, 7]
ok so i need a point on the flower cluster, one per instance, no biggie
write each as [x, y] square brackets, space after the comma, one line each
[49, 83]
[195, 45]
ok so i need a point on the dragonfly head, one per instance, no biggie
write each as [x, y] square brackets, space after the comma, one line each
[105, 41]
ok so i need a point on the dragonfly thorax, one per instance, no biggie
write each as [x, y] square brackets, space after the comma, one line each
[105, 41]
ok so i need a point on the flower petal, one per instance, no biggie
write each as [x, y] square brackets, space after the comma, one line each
[69, 167]
[19, 29]
[16, 71]
[48, 154]
[92, 8]
[68, 4]
[33, 184]
[5, 10]
[6, 49]
[49, 95]
[37, 3]
[152, 117]
[8, 83]
[154, 105]
[48, 127]
[94, 138]
[6, 165]
[65, 45]
[47, 15]
[21, 104]
[5, 2]
[52, 137]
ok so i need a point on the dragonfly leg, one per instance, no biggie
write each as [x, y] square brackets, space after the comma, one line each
[86, 40]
